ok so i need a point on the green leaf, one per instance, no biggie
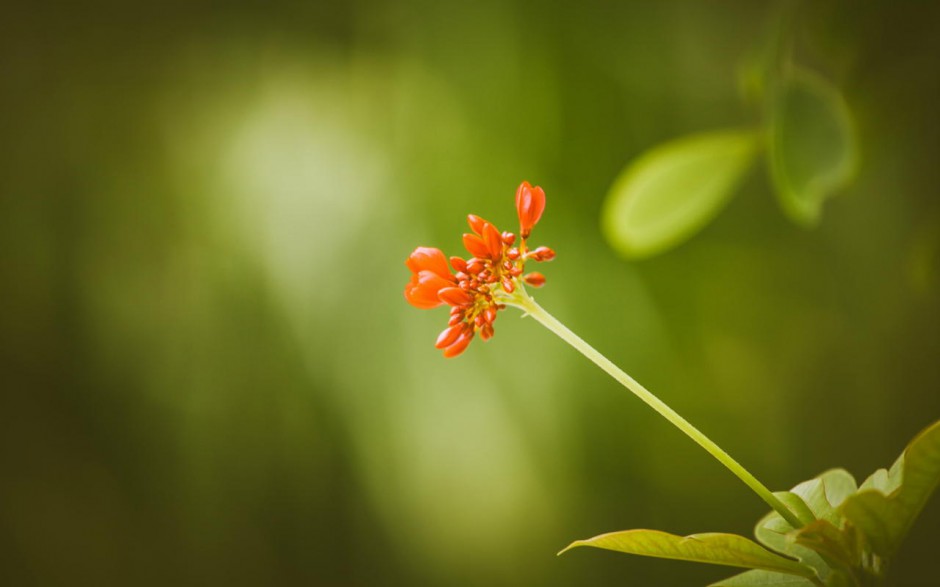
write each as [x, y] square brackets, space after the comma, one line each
[838, 485]
[812, 147]
[816, 498]
[674, 190]
[828, 541]
[763, 579]
[886, 481]
[797, 505]
[713, 548]
[886, 506]
[773, 532]
[826, 492]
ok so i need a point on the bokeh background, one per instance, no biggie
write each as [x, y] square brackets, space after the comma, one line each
[209, 373]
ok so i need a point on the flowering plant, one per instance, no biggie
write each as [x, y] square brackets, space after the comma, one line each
[827, 531]
[484, 283]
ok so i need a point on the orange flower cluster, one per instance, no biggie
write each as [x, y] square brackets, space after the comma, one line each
[495, 269]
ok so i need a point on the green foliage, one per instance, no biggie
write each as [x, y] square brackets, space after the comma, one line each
[763, 579]
[714, 548]
[771, 579]
[848, 537]
[885, 507]
[811, 144]
[672, 191]
[772, 531]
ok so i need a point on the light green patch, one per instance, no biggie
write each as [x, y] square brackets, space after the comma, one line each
[675, 189]
[812, 144]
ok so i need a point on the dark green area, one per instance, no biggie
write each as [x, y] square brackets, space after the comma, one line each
[208, 374]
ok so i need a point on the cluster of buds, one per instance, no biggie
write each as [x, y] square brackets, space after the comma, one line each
[495, 270]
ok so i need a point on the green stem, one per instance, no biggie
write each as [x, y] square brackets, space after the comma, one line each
[524, 302]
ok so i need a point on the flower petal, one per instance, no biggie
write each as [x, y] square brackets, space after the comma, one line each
[476, 246]
[428, 259]
[454, 296]
[421, 291]
[493, 240]
[476, 224]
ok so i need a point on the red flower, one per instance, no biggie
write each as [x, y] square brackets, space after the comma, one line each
[429, 274]
[483, 282]
[430, 259]
[530, 203]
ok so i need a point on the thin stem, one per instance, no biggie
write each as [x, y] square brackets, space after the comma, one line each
[522, 301]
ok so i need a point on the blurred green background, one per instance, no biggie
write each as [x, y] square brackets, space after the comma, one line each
[210, 375]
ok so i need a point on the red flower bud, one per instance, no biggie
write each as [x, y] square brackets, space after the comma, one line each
[530, 203]
[449, 335]
[490, 314]
[535, 279]
[459, 345]
[459, 265]
[542, 254]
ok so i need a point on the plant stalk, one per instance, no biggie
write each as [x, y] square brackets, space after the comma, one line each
[524, 302]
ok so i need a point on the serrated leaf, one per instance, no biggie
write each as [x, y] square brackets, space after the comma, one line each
[670, 192]
[763, 579]
[713, 548]
[884, 519]
[812, 146]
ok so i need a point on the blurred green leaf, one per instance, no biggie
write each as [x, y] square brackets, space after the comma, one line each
[888, 503]
[713, 548]
[840, 579]
[812, 144]
[675, 189]
[763, 579]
